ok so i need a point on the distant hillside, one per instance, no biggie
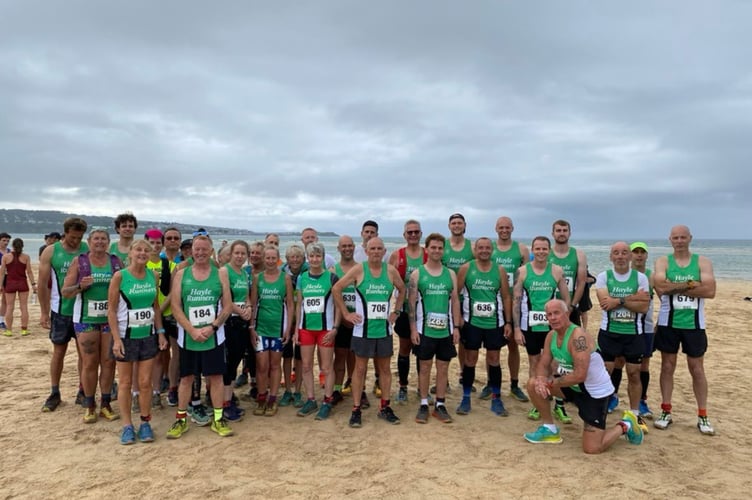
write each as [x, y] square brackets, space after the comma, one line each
[45, 221]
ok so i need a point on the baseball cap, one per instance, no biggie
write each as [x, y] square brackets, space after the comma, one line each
[457, 216]
[186, 243]
[53, 234]
[638, 244]
[153, 233]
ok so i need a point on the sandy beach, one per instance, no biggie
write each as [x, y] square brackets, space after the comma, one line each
[480, 455]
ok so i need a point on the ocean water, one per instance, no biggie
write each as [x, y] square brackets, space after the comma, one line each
[732, 259]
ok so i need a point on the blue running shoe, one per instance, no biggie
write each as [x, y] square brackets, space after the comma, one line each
[613, 402]
[145, 434]
[464, 407]
[128, 436]
[497, 407]
[645, 410]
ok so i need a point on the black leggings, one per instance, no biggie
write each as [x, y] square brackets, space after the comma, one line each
[237, 342]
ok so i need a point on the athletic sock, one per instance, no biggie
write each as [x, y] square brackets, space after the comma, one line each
[468, 376]
[384, 403]
[515, 382]
[440, 402]
[403, 369]
[702, 412]
[494, 379]
[217, 414]
[551, 427]
[666, 407]
[55, 389]
[645, 379]
[616, 379]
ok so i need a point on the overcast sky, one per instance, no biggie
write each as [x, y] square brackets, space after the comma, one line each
[623, 117]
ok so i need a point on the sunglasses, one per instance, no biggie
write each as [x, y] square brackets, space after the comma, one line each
[200, 233]
[413, 232]
[172, 238]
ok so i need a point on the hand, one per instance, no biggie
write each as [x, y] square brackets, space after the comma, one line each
[415, 338]
[508, 331]
[353, 318]
[330, 336]
[118, 350]
[543, 387]
[86, 282]
[519, 339]
[246, 314]
[163, 343]
[44, 321]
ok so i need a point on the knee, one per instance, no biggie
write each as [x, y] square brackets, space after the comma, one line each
[591, 449]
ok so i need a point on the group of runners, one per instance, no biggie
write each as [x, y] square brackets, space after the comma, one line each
[166, 312]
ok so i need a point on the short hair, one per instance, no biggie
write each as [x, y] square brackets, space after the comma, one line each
[74, 224]
[293, 249]
[561, 222]
[562, 305]
[125, 217]
[435, 237]
[371, 223]
[202, 237]
[99, 229]
[257, 244]
[484, 238]
[173, 228]
[4, 235]
[541, 238]
[411, 221]
[316, 248]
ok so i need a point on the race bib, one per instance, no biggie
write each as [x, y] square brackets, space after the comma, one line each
[484, 309]
[240, 305]
[141, 317]
[563, 370]
[437, 321]
[349, 299]
[570, 283]
[313, 305]
[537, 318]
[378, 310]
[97, 308]
[684, 302]
[623, 315]
[201, 315]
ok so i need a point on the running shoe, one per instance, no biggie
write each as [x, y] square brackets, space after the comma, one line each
[172, 397]
[221, 427]
[107, 413]
[24, 332]
[164, 385]
[560, 413]
[634, 434]
[347, 388]
[376, 390]
[517, 394]
[128, 436]
[642, 424]
[402, 396]
[645, 410]
[271, 408]
[156, 401]
[241, 380]
[364, 403]
[663, 421]
[253, 393]
[703, 424]
[234, 402]
[613, 402]
[386, 413]
[422, 416]
[533, 414]
[145, 434]
[287, 399]
[464, 407]
[543, 435]
[297, 400]
[308, 407]
[7, 333]
[199, 415]
[486, 393]
[355, 419]
[337, 398]
[440, 412]
[231, 414]
[179, 428]
[90, 415]
[324, 411]
[3, 325]
[80, 397]
[260, 408]
[497, 407]
[51, 403]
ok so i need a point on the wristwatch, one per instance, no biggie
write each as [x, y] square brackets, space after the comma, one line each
[621, 301]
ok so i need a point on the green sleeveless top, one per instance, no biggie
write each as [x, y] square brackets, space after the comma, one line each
[91, 304]
[622, 320]
[482, 301]
[537, 290]
[372, 303]
[453, 259]
[271, 307]
[568, 264]
[238, 286]
[60, 261]
[510, 259]
[433, 310]
[201, 300]
[562, 356]
[348, 293]
[317, 301]
[136, 305]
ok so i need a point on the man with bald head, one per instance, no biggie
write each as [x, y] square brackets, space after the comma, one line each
[623, 295]
[512, 255]
[683, 280]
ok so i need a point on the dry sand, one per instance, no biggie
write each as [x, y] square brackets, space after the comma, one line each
[478, 456]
